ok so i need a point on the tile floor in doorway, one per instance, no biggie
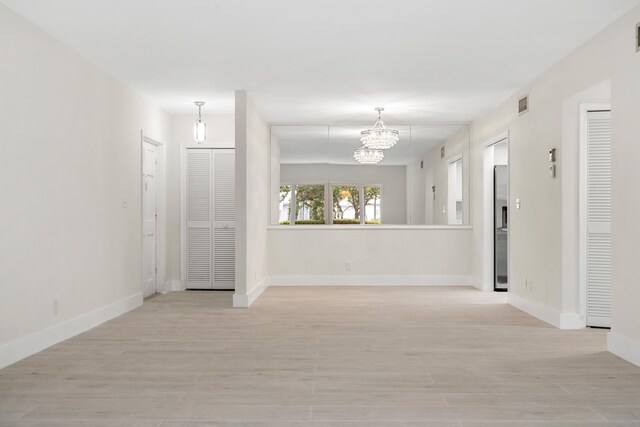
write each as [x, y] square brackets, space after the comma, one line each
[325, 356]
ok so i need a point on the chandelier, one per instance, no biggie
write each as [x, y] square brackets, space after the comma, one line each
[367, 156]
[379, 137]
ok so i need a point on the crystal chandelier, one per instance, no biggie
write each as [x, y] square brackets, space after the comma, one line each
[367, 156]
[379, 137]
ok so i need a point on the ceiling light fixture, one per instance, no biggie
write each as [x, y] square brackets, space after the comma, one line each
[367, 156]
[200, 127]
[379, 137]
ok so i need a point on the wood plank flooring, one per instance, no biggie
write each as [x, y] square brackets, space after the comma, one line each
[325, 357]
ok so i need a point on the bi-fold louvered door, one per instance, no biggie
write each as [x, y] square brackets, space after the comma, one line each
[210, 218]
[598, 218]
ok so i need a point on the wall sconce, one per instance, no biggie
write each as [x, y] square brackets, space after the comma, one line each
[200, 127]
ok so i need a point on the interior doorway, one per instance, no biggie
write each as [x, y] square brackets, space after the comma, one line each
[152, 216]
[149, 220]
[496, 215]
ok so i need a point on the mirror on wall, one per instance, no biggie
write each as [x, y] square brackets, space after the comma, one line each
[422, 180]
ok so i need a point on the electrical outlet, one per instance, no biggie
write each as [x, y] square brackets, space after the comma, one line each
[347, 265]
[55, 307]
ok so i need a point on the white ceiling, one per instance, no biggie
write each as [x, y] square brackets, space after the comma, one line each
[310, 60]
[335, 144]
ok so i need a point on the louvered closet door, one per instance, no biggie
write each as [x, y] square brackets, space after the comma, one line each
[598, 216]
[199, 200]
[210, 215]
[224, 226]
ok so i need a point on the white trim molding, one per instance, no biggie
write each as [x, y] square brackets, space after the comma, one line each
[546, 314]
[624, 347]
[28, 345]
[245, 300]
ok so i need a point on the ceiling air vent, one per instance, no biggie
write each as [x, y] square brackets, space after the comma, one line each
[523, 104]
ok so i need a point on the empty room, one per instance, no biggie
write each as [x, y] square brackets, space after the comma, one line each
[339, 213]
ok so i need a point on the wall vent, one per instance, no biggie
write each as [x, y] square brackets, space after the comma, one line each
[638, 37]
[442, 152]
[523, 104]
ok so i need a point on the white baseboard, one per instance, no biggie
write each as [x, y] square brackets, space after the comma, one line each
[624, 347]
[245, 300]
[546, 314]
[16, 350]
[572, 321]
[399, 280]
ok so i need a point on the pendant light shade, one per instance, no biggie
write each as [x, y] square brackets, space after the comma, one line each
[379, 137]
[200, 127]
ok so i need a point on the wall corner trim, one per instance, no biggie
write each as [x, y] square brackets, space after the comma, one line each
[545, 313]
[245, 300]
[624, 347]
[28, 345]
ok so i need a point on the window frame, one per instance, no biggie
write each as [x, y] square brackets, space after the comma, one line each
[361, 196]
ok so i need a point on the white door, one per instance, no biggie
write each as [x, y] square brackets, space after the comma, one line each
[149, 219]
[598, 218]
[224, 220]
[210, 218]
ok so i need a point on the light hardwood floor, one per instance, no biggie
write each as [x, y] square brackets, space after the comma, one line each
[331, 356]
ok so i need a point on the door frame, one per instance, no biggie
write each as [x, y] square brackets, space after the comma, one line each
[582, 203]
[488, 270]
[161, 285]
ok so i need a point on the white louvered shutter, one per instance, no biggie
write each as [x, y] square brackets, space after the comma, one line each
[598, 215]
[224, 226]
[198, 212]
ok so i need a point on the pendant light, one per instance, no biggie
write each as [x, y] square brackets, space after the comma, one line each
[200, 127]
[367, 156]
[379, 137]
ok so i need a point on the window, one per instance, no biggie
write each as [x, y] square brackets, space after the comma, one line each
[285, 204]
[305, 204]
[346, 204]
[349, 201]
[372, 204]
[309, 204]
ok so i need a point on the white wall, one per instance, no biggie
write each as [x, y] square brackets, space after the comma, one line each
[253, 189]
[70, 155]
[391, 178]
[625, 95]
[435, 256]
[540, 229]
[220, 134]
[436, 168]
